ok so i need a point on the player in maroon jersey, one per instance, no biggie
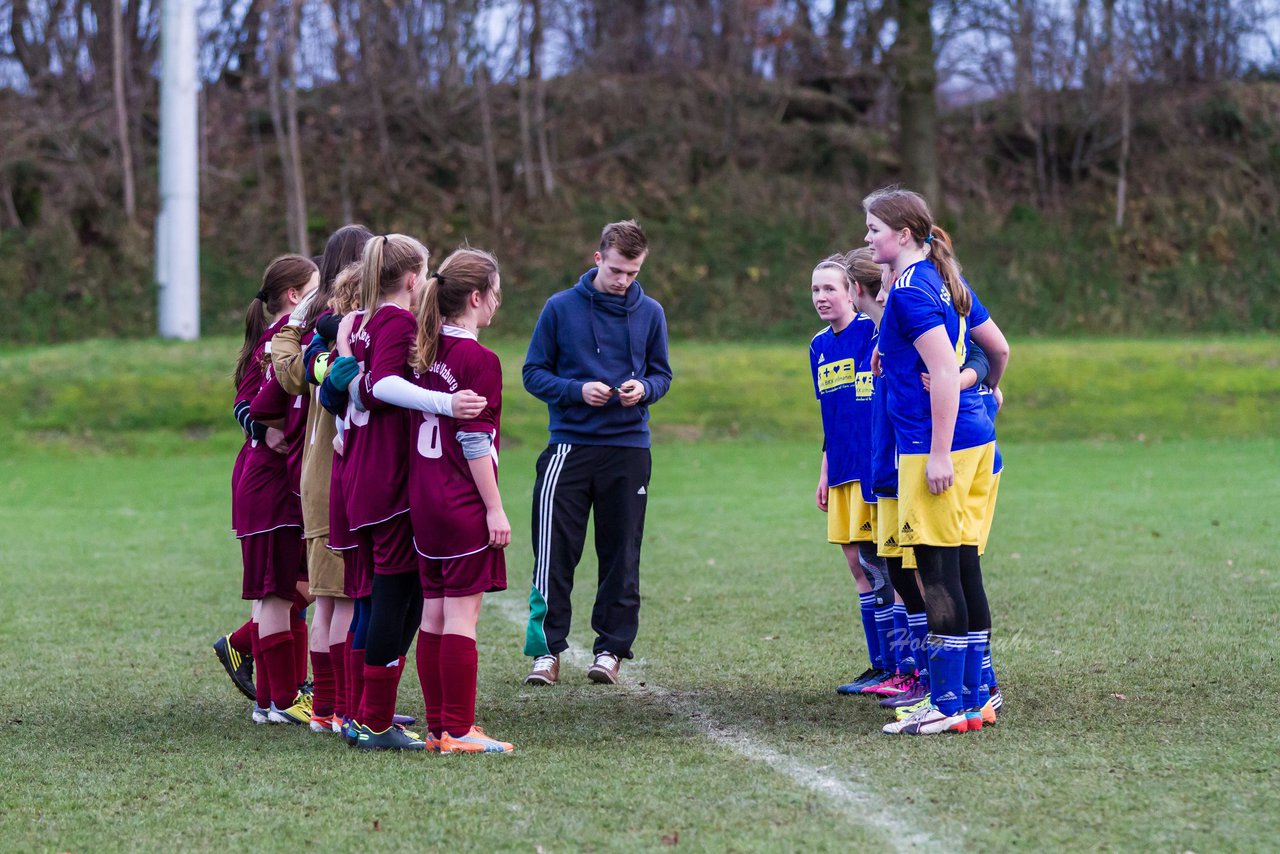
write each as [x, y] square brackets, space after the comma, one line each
[266, 514]
[375, 471]
[459, 526]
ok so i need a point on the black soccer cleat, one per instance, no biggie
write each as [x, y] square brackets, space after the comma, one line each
[238, 666]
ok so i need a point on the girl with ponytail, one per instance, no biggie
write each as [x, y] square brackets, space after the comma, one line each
[265, 509]
[946, 448]
[459, 525]
[374, 367]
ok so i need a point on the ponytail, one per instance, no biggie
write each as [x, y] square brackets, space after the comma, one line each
[939, 249]
[255, 323]
[429, 321]
[387, 258]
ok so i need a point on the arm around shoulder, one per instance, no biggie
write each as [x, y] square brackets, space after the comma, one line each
[288, 361]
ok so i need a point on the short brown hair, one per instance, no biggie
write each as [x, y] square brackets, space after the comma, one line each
[626, 236]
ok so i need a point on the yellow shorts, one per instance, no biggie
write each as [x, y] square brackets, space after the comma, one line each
[849, 518]
[989, 515]
[955, 517]
[324, 569]
[887, 544]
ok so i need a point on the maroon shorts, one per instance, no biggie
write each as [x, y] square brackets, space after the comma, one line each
[357, 574]
[273, 563]
[484, 571]
[388, 546]
[340, 535]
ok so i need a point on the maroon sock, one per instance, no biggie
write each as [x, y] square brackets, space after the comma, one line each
[298, 627]
[429, 675]
[322, 696]
[241, 639]
[261, 680]
[355, 680]
[277, 658]
[378, 702]
[338, 661]
[458, 660]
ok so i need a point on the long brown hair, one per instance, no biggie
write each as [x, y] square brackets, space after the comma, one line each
[387, 258]
[465, 271]
[285, 272]
[898, 209]
[344, 247]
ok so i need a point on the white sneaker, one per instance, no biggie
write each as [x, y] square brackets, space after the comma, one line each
[928, 721]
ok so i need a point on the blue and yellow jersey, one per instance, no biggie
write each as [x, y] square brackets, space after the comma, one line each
[842, 381]
[918, 302]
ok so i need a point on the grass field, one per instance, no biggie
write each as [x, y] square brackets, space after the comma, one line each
[1132, 582]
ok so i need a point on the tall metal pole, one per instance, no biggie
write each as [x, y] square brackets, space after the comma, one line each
[178, 225]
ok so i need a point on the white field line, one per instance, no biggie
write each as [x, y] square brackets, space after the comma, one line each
[853, 797]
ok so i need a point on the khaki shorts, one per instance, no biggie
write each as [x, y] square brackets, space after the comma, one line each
[325, 569]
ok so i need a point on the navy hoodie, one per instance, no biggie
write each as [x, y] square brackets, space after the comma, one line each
[584, 335]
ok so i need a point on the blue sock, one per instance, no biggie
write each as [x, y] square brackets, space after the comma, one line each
[975, 649]
[884, 636]
[918, 626]
[360, 622]
[867, 604]
[902, 639]
[946, 672]
[987, 685]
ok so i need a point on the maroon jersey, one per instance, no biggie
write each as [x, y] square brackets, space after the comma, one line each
[271, 403]
[375, 458]
[445, 506]
[261, 495]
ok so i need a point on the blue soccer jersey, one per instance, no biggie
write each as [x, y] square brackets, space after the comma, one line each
[842, 381]
[989, 402]
[884, 446]
[917, 303]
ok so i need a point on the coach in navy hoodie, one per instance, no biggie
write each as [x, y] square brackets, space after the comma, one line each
[598, 359]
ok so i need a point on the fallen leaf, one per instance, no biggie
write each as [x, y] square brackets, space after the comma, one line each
[377, 824]
[771, 637]
[671, 838]
[1119, 697]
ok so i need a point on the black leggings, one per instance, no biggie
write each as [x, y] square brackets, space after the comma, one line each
[953, 594]
[394, 617]
[904, 581]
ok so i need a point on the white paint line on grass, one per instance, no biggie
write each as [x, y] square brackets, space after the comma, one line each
[853, 797]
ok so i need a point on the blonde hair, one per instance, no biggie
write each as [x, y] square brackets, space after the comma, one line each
[898, 209]
[346, 290]
[445, 296]
[387, 258]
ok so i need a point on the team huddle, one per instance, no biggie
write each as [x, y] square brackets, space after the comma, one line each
[367, 491]
[907, 375]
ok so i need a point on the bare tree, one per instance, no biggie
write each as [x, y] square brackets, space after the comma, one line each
[916, 78]
[122, 110]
